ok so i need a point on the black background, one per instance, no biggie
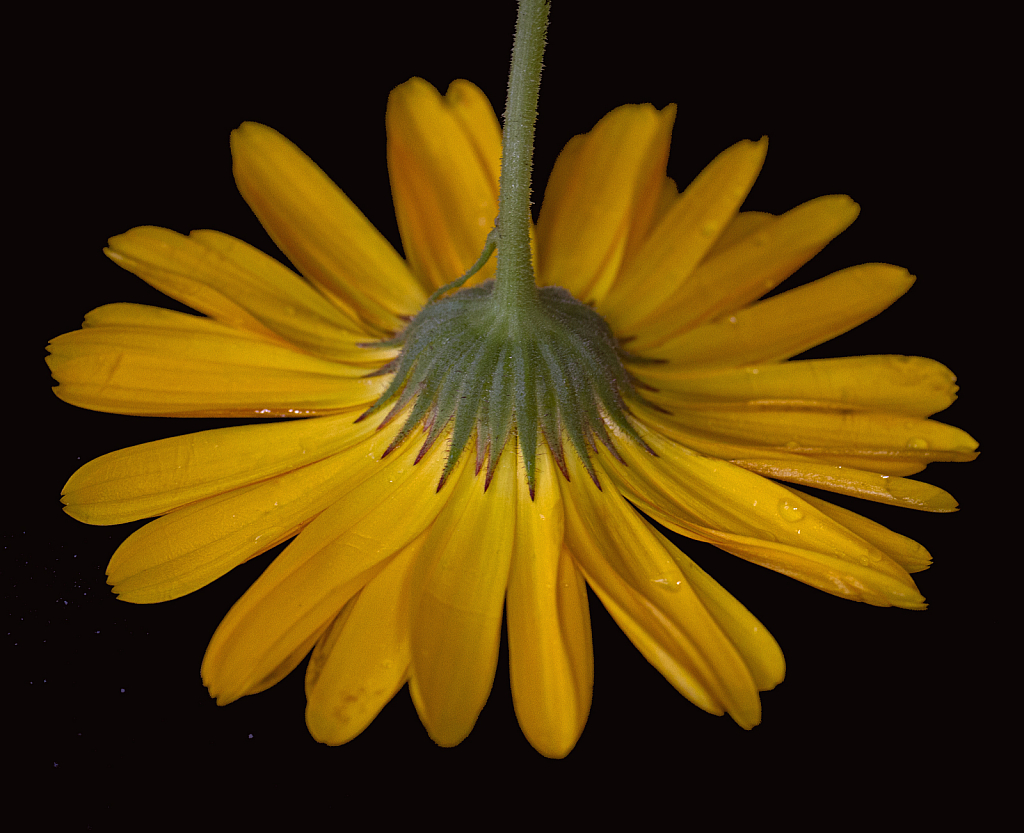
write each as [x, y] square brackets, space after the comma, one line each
[133, 131]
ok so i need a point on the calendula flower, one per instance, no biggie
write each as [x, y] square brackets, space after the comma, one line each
[441, 473]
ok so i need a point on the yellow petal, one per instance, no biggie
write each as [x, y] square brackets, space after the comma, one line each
[239, 286]
[134, 359]
[550, 652]
[601, 193]
[197, 544]
[275, 624]
[721, 503]
[475, 114]
[301, 316]
[840, 437]
[895, 384]
[722, 448]
[458, 600]
[155, 255]
[266, 297]
[362, 660]
[786, 324]
[743, 226]
[730, 278]
[909, 554]
[683, 237]
[867, 485]
[443, 156]
[638, 579]
[757, 646]
[664, 195]
[154, 478]
[321, 231]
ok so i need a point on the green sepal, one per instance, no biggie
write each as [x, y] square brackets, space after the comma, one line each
[547, 371]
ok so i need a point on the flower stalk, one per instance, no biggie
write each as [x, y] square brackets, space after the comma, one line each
[516, 288]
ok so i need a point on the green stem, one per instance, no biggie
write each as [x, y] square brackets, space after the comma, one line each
[515, 286]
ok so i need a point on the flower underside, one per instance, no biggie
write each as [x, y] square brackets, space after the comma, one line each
[551, 369]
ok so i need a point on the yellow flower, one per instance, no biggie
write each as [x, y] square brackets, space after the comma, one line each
[390, 579]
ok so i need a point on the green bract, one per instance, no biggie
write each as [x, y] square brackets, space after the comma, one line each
[551, 369]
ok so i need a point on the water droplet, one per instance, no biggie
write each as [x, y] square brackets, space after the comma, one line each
[709, 229]
[671, 583]
[917, 442]
[871, 557]
[790, 511]
[792, 444]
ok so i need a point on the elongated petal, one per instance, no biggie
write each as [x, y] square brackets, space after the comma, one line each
[192, 546]
[840, 437]
[682, 238]
[740, 273]
[906, 385]
[471, 107]
[362, 660]
[154, 478]
[867, 485]
[207, 268]
[909, 554]
[710, 445]
[662, 613]
[601, 194]
[275, 624]
[321, 231]
[458, 600]
[743, 226]
[721, 503]
[550, 651]
[757, 646]
[443, 156]
[784, 325]
[133, 359]
[154, 255]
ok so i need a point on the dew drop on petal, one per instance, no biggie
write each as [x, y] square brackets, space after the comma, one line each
[917, 442]
[668, 583]
[790, 511]
[870, 557]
